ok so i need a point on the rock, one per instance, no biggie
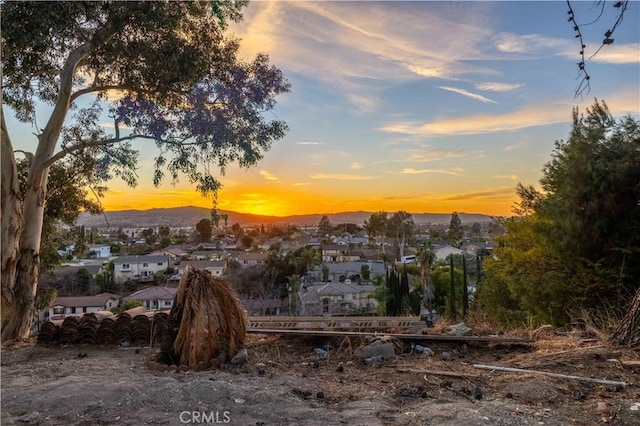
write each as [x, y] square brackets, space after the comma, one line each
[304, 394]
[340, 368]
[261, 368]
[458, 330]
[377, 349]
[477, 393]
[31, 417]
[240, 358]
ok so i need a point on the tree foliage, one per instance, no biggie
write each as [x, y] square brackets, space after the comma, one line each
[164, 72]
[576, 244]
[325, 227]
[204, 230]
[455, 232]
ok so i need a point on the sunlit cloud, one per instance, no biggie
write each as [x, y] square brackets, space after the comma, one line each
[356, 166]
[618, 54]
[341, 176]
[310, 143]
[268, 175]
[301, 183]
[433, 154]
[511, 177]
[497, 193]
[498, 87]
[453, 172]
[530, 44]
[527, 116]
[363, 104]
[467, 94]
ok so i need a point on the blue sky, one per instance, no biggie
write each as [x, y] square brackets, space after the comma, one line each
[417, 106]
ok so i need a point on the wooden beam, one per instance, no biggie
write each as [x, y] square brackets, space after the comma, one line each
[401, 336]
[546, 373]
[293, 323]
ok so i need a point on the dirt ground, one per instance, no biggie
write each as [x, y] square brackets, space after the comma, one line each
[92, 385]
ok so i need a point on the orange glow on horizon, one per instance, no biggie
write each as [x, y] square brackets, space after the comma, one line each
[282, 201]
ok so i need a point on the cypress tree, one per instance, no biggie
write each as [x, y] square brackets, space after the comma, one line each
[465, 290]
[451, 306]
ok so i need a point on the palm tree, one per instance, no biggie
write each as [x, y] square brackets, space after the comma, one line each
[426, 256]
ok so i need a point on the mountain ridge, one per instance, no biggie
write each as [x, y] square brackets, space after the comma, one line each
[190, 215]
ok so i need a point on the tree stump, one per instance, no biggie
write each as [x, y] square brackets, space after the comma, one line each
[207, 324]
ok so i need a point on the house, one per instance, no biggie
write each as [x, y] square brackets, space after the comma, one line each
[173, 252]
[333, 253]
[262, 306]
[348, 270]
[100, 251]
[443, 252]
[63, 307]
[154, 298]
[337, 299]
[139, 268]
[249, 259]
[202, 254]
[215, 267]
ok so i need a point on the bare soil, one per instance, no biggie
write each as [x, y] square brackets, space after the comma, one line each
[92, 385]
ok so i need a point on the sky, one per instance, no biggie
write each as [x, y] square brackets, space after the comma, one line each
[428, 107]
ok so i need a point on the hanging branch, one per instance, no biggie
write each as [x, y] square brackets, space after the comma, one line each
[584, 86]
[583, 75]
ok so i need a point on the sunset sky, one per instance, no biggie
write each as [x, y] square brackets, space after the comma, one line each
[419, 106]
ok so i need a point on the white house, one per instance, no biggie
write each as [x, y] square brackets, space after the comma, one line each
[100, 251]
[154, 298]
[139, 268]
[63, 307]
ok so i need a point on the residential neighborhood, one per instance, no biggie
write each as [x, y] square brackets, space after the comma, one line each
[277, 270]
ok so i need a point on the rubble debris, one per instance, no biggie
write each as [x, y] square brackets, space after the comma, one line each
[458, 330]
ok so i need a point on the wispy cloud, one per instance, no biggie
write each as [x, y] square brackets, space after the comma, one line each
[453, 172]
[363, 104]
[498, 87]
[341, 176]
[619, 54]
[268, 175]
[625, 102]
[310, 143]
[511, 177]
[497, 193]
[301, 183]
[433, 154]
[467, 94]
[514, 146]
[356, 166]
[531, 44]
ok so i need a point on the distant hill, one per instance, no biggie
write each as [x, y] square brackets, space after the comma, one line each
[189, 216]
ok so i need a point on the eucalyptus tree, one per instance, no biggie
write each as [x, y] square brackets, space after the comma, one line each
[426, 256]
[166, 75]
[376, 227]
[401, 227]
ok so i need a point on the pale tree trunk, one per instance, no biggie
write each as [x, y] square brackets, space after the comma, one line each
[628, 331]
[20, 267]
[12, 227]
